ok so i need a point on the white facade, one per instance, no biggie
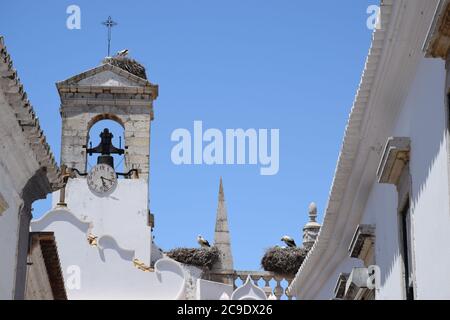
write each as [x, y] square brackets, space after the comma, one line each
[402, 94]
[11, 185]
[27, 172]
[105, 239]
[105, 248]
[116, 264]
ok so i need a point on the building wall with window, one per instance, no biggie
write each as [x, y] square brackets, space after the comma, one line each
[423, 118]
[389, 202]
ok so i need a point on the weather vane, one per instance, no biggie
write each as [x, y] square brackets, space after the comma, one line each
[109, 24]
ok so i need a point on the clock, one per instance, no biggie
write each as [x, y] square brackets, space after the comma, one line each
[102, 179]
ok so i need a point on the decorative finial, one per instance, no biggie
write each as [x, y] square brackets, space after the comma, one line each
[109, 24]
[312, 228]
[312, 212]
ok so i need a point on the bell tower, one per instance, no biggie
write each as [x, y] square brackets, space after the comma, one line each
[117, 90]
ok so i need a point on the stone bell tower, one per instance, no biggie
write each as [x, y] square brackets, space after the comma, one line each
[116, 90]
[102, 220]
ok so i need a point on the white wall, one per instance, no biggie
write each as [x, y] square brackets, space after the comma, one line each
[106, 271]
[119, 220]
[423, 119]
[122, 215]
[8, 238]
[208, 290]
[381, 210]
[9, 218]
[326, 292]
[17, 165]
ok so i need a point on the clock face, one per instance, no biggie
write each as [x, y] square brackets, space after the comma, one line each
[102, 179]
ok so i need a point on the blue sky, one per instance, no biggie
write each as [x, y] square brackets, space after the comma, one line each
[290, 65]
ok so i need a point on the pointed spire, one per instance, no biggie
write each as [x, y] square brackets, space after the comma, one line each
[222, 240]
[221, 193]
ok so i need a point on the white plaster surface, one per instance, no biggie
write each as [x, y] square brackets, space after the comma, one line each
[210, 290]
[119, 221]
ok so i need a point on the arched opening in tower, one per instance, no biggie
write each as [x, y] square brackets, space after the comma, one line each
[98, 134]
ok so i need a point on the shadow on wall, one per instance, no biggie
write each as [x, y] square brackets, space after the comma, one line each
[423, 119]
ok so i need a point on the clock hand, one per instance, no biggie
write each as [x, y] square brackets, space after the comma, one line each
[106, 179]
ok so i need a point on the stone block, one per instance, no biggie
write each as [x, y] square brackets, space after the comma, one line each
[138, 142]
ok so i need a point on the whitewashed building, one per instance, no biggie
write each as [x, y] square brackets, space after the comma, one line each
[28, 172]
[386, 229]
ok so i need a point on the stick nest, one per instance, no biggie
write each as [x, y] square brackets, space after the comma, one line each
[199, 257]
[127, 64]
[283, 261]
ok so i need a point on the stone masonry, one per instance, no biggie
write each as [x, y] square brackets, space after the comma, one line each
[107, 92]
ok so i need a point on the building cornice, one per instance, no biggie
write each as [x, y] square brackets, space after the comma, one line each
[142, 86]
[26, 118]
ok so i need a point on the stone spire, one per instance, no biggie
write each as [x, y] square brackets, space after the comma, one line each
[312, 228]
[222, 240]
[221, 194]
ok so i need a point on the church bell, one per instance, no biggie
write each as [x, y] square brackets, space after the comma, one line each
[105, 149]
[106, 159]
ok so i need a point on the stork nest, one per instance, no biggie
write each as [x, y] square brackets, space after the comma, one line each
[283, 261]
[200, 257]
[127, 64]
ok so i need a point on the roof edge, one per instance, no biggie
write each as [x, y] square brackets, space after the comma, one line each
[17, 98]
[100, 68]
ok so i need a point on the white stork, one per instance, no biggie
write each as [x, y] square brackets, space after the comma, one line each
[123, 53]
[289, 241]
[203, 242]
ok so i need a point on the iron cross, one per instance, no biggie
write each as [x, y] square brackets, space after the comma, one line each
[109, 24]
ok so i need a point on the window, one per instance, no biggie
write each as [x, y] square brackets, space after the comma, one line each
[406, 247]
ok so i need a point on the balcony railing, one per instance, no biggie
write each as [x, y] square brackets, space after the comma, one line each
[269, 282]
